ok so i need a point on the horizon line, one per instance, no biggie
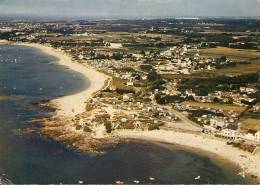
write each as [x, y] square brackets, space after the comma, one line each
[29, 17]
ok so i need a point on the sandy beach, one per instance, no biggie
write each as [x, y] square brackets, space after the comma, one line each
[247, 161]
[3, 42]
[72, 105]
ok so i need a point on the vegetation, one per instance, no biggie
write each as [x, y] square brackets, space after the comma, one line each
[220, 83]
[108, 126]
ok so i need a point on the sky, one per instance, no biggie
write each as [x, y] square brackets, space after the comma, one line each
[130, 8]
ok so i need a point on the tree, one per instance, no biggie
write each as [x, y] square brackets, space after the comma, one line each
[146, 67]
[142, 52]
[108, 126]
[118, 56]
[153, 76]
[223, 59]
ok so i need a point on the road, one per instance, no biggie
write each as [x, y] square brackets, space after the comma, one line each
[189, 125]
[194, 126]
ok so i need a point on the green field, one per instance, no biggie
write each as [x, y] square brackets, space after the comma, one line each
[224, 107]
[251, 56]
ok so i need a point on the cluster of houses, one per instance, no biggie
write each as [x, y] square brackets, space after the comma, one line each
[124, 109]
[236, 97]
[219, 127]
[256, 108]
[186, 59]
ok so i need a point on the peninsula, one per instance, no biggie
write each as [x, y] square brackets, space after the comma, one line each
[192, 85]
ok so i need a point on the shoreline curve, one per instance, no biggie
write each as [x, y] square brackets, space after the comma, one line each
[248, 162]
[72, 105]
[75, 104]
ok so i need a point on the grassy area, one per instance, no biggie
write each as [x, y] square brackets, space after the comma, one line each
[240, 69]
[252, 56]
[251, 120]
[224, 107]
[230, 53]
[251, 123]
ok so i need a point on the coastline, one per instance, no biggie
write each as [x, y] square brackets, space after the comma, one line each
[72, 105]
[4, 42]
[245, 160]
[68, 109]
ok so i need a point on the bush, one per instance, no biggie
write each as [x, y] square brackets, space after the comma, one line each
[153, 76]
[87, 129]
[146, 67]
[153, 127]
[78, 127]
[118, 56]
[108, 126]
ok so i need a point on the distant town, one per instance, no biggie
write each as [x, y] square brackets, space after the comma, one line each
[189, 75]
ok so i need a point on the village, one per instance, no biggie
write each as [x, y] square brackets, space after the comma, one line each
[157, 80]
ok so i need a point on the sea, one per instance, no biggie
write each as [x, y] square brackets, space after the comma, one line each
[29, 76]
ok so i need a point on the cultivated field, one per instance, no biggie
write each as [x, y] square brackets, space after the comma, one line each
[252, 56]
[224, 107]
[231, 53]
[251, 123]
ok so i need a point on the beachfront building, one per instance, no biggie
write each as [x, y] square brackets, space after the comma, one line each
[217, 122]
[252, 135]
[257, 136]
[209, 129]
[230, 132]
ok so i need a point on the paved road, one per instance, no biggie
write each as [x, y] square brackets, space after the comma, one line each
[190, 125]
[186, 120]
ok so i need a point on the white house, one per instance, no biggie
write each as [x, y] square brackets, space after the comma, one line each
[126, 97]
[217, 122]
[231, 132]
[130, 83]
[257, 136]
[252, 135]
[209, 128]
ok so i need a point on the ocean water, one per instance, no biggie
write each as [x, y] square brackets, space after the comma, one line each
[28, 76]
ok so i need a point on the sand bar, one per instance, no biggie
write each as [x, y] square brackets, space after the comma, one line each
[247, 161]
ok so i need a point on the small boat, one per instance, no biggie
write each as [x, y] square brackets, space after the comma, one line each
[119, 182]
[136, 181]
[151, 178]
[197, 178]
[81, 182]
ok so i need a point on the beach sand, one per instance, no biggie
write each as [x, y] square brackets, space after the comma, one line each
[4, 42]
[247, 161]
[72, 105]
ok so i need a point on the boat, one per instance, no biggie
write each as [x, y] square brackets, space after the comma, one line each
[136, 181]
[151, 178]
[81, 182]
[197, 178]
